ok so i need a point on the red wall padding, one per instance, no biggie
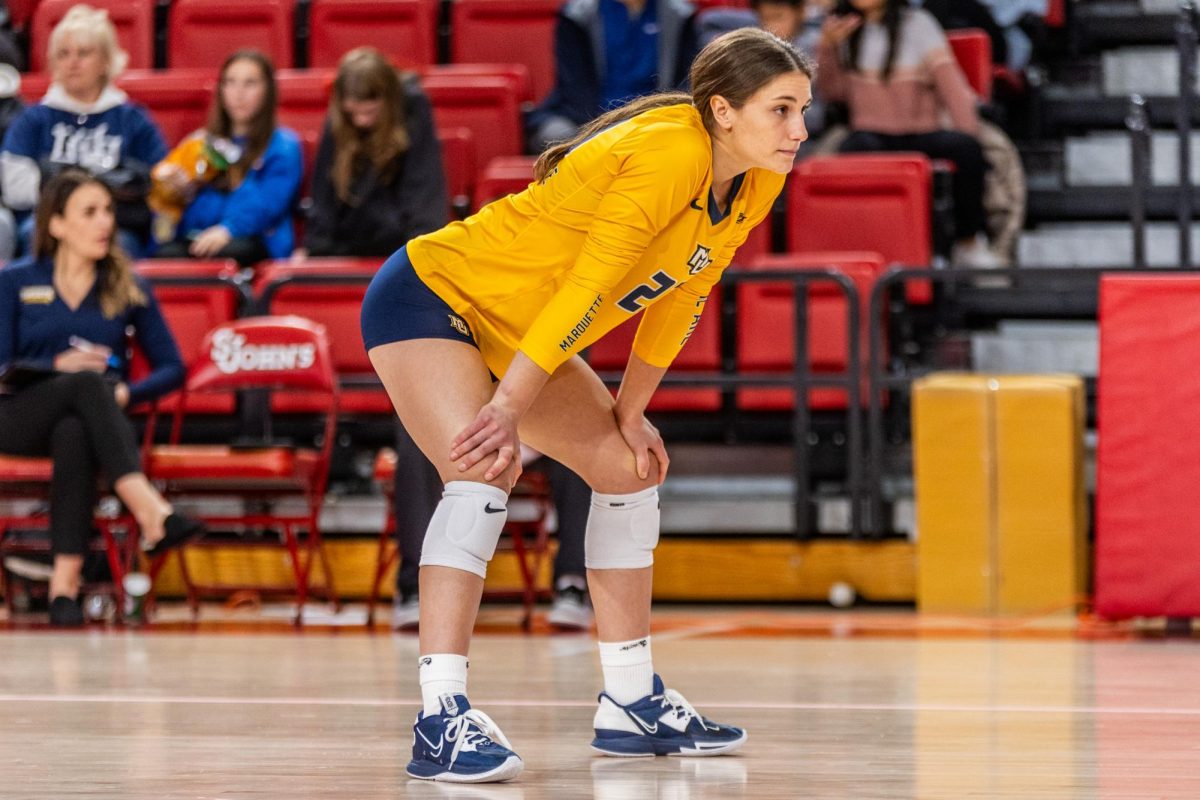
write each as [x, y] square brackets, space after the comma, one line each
[1148, 464]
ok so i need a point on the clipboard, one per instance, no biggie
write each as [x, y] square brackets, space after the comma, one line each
[17, 375]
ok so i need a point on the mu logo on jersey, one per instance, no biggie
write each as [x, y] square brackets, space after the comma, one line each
[699, 260]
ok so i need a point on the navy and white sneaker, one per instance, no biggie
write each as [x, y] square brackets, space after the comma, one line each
[660, 724]
[461, 745]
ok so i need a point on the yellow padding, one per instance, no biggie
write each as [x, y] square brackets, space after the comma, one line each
[1001, 514]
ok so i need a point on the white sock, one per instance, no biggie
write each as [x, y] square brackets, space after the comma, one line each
[628, 669]
[440, 674]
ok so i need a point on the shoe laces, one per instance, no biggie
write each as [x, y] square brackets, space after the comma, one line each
[682, 708]
[473, 727]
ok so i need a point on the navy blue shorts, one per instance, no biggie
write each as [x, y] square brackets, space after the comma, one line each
[399, 306]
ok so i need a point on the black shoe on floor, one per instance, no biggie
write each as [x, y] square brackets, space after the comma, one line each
[177, 530]
[65, 612]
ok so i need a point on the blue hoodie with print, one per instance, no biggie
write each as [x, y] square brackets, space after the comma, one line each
[112, 138]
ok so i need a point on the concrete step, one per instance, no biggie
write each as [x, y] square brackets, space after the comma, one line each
[1107, 23]
[1034, 347]
[1100, 245]
[1103, 159]
[1151, 71]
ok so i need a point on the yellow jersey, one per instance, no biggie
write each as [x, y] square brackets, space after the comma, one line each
[624, 224]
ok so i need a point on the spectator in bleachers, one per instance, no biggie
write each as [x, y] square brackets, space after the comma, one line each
[86, 121]
[607, 52]
[234, 182]
[64, 317]
[893, 68]
[377, 181]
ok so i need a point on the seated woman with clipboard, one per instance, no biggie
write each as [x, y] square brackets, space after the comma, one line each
[64, 314]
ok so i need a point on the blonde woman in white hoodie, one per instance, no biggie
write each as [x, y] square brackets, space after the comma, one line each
[84, 120]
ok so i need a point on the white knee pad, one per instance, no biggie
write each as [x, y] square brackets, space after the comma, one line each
[465, 527]
[622, 530]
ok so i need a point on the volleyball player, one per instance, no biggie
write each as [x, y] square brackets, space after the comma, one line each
[475, 331]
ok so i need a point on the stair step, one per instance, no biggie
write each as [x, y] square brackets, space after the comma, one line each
[1100, 245]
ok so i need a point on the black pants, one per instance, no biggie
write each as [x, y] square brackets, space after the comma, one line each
[246, 252]
[419, 489]
[961, 148]
[75, 420]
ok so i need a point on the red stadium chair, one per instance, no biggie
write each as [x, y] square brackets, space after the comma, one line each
[702, 353]
[765, 321]
[405, 30]
[24, 502]
[283, 288]
[34, 86]
[21, 13]
[177, 99]
[304, 99]
[507, 30]
[458, 163]
[133, 19]
[504, 176]
[1056, 13]
[202, 33]
[195, 297]
[269, 353]
[973, 50]
[528, 536]
[488, 106]
[518, 74]
[878, 202]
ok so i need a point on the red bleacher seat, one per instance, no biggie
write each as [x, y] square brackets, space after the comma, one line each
[20, 12]
[973, 50]
[765, 323]
[178, 99]
[702, 353]
[1056, 13]
[202, 33]
[338, 309]
[517, 73]
[404, 30]
[34, 86]
[507, 30]
[133, 19]
[458, 163]
[304, 98]
[489, 106]
[503, 176]
[195, 297]
[879, 202]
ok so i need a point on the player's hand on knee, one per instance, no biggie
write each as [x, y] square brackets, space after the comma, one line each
[493, 431]
[645, 441]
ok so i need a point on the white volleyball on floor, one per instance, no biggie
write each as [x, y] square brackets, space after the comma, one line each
[842, 595]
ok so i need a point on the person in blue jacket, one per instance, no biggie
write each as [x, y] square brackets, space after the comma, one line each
[606, 53]
[84, 121]
[64, 317]
[240, 204]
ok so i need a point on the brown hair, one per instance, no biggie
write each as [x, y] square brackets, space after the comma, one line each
[114, 273]
[263, 124]
[734, 66]
[364, 74]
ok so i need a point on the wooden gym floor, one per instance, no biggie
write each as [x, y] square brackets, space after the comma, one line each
[874, 704]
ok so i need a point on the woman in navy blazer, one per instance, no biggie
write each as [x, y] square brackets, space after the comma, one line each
[66, 311]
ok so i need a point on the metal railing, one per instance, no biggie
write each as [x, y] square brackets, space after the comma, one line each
[1137, 121]
[801, 379]
[1186, 42]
